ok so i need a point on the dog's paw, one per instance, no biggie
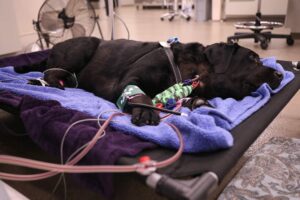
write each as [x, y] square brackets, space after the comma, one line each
[195, 102]
[144, 116]
[141, 115]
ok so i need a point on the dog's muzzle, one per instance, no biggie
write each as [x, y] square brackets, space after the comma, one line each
[278, 75]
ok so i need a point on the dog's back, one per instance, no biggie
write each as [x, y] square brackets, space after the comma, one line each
[118, 63]
[72, 54]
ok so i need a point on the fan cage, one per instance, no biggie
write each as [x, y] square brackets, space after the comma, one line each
[64, 26]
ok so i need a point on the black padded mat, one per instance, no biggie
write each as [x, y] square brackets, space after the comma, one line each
[245, 134]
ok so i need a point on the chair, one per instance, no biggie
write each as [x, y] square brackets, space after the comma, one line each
[173, 12]
[257, 27]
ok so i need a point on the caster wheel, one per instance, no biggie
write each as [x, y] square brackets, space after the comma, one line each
[229, 41]
[161, 19]
[171, 19]
[188, 18]
[290, 41]
[232, 41]
[264, 44]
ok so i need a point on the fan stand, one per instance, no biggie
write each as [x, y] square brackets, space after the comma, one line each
[174, 12]
[43, 38]
[257, 27]
[111, 14]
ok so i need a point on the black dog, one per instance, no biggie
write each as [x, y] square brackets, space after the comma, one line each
[107, 67]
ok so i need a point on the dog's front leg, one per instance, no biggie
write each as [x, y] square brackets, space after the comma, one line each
[140, 115]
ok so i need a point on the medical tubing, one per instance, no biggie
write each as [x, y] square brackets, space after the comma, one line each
[62, 177]
[32, 177]
[179, 152]
[153, 107]
[75, 152]
[107, 111]
[122, 21]
[60, 69]
[69, 168]
[46, 174]
[67, 131]
[176, 109]
[92, 143]
[87, 168]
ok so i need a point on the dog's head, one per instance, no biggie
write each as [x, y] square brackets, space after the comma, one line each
[190, 59]
[234, 71]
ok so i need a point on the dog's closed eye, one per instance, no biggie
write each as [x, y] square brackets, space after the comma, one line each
[249, 86]
[255, 59]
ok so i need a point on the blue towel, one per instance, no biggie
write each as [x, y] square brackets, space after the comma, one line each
[204, 129]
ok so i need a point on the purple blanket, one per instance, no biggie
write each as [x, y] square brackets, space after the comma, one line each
[54, 120]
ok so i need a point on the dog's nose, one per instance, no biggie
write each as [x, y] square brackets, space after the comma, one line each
[278, 74]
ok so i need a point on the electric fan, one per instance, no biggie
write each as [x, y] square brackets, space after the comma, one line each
[59, 20]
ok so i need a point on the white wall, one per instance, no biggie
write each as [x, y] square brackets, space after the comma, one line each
[17, 30]
[9, 38]
[249, 7]
[25, 12]
[127, 2]
[293, 16]
[274, 7]
[217, 6]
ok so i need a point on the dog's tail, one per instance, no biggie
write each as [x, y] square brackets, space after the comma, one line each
[39, 66]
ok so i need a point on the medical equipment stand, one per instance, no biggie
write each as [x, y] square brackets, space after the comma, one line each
[257, 27]
[175, 12]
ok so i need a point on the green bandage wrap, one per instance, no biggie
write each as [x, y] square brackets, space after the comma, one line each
[176, 92]
[128, 92]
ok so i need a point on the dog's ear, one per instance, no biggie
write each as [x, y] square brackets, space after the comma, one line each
[219, 56]
[188, 53]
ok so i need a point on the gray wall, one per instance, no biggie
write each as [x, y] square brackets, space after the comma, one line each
[292, 19]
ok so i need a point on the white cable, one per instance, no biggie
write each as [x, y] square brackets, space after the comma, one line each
[62, 176]
[107, 111]
[60, 69]
[122, 21]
